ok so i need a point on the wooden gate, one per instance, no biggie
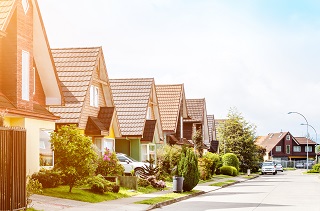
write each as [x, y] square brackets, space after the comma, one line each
[12, 169]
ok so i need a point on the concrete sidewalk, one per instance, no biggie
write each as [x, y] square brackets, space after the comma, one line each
[46, 203]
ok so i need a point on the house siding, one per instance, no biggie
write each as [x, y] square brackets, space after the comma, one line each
[39, 95]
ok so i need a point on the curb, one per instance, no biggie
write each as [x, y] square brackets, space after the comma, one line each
[171, 201]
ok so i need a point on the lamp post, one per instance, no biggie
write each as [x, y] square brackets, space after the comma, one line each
[307, 135]
[316, 137]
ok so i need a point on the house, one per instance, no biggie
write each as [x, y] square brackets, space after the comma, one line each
[197, 120]
[137, 108]
[28, 77]
[284, 146]
[214, 144]
[173, 109]
[87, 93]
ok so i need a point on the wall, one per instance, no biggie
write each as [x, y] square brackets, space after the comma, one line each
[135, 149]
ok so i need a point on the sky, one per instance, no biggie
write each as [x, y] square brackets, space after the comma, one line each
[260, 57]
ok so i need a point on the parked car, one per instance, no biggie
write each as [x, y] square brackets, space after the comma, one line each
[279, 167]
[310, 164]
[268, 167]
[299, 165]
[131, 164]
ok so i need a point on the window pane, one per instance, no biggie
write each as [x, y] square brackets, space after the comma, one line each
[46, 153]
[25, 74]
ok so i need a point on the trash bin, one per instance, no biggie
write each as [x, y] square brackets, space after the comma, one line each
[248, 172]
[177, 185]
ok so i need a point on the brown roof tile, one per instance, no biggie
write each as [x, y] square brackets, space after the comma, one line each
[6, 7]
[270, 140]
[303, 140]
[75, 68]
[195, 109]
[131, 98]
[210, 126]
[169, 99]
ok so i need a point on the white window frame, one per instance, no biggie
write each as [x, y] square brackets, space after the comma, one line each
[288, 137]
[25, 76]
[310, 148]
[288, 149]
[143, 154]
[45, 144]
[148, 117]
[296, 148]
[278, 148]
[94, 96]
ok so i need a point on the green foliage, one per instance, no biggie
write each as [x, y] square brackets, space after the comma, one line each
[188, 169]
[75, 157]
[143, 182]
[167, 160]
[230, 159]
[215, 158]
[48, 178]
[205, 167]
[99, 185]
[237, 136]
[33, 187]
[150, 169]
[316, 167]
[197, 140]
[109, 165]
[228, 170]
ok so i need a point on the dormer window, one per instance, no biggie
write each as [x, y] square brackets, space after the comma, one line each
[94, 96]
[25, 5]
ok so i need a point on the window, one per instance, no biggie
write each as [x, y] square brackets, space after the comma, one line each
[144, 152]
[288, 137]
[25, 5]
[278, 148]
[25, 75]
[148, 113]
[297, 148]
[288, 149]
[103, 143]
[309, 147]
[46, 153]
[94, 96]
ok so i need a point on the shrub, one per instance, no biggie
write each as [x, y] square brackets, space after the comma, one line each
[208, 164]
[33, 187]
[227, 170]
[143, 182]
[47, 178]
[215, 161]
[99, 185]
[219, 165]
[109, 165]
[188, 169]
[230, 159]
[167, 160]
[151, 169]
[234, 171]
[316, 167]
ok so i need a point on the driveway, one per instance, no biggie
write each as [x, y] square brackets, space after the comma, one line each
[290, 190]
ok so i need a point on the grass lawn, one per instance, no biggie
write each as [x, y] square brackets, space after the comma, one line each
[165, 197]
[223, 183]
[82, 194]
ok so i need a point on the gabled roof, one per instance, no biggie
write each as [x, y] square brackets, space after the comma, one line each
[211, 126]
[271, 140]
[303, 140]
[170, 98]
[6, 10]
[131, 98]
[195, 110]
[75, 68]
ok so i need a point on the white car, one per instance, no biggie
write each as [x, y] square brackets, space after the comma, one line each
[131, 164]
[268, 167]
[279, 167]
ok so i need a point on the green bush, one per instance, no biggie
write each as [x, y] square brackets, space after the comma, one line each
[312, 171]
[226, 170]
[109, 165]
[48, 178]
[143, 182]
[167, 160]
[188, 169]
[99, 185]
[316, 167]
[33, 186]
[234, 171]
[230, 159]
[205, 165]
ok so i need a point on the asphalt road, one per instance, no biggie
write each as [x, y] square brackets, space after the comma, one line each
[290, 190]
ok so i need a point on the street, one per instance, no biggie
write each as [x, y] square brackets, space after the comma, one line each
[290, 190]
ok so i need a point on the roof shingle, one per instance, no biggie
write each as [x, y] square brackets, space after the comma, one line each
[195, 109]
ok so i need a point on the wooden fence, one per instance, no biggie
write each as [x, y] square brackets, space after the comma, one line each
[12, 169]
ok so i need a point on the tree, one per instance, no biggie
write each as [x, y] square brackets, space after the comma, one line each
[237, 136]
[74, 154]
[197, 140]
[188, 169]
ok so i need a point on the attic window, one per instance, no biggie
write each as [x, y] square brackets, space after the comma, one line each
[288, 137]
[94, 96]
[25, 5]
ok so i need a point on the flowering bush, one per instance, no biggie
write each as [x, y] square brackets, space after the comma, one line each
[156, 183]
[108, 165]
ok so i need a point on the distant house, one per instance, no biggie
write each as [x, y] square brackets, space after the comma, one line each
[197, 120]
[173, 109]
[283, 146]
[137, 108]
[88, 99]
[28, 77]
[214, 144]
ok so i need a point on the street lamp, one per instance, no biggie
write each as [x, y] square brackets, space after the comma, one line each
[307, 135]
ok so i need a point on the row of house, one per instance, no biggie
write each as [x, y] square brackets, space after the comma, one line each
[42, 89]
